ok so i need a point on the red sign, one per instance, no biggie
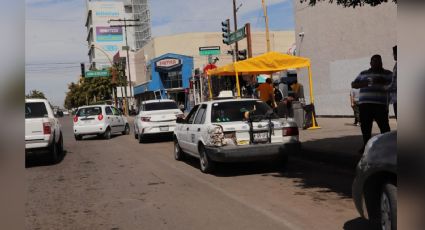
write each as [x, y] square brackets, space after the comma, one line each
[168, 62]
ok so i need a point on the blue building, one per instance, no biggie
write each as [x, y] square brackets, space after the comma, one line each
[170, 76]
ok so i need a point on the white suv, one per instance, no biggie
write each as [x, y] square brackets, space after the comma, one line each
[234, 130]
[156, 117]
[101, 120]
[42, 129]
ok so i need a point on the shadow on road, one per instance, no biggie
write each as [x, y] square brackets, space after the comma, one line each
[358, 223]
[98, 137]
[157, 138]
[41, 159]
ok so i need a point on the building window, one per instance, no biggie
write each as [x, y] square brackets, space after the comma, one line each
[172, 79]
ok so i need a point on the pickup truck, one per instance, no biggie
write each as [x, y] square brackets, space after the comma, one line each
[42, 130]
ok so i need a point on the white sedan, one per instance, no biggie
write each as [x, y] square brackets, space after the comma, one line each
[156, 117]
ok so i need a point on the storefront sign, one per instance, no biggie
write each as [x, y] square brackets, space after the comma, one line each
[168, 63]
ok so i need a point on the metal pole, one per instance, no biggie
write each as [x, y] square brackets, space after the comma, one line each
[235, 19]
[267, 25]
[128, 63]
[248, 39]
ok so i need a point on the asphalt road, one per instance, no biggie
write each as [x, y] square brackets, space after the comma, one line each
[121, 184]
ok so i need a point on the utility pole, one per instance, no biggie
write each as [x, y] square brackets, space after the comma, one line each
[235, 19]
[267, 25]
[127, 47]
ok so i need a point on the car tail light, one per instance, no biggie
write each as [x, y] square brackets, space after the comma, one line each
[100, 117]
[145, 118]
[290, 131]
[47, 129]
[75, 118]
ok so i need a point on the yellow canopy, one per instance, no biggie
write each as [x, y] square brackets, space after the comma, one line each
[267, 63]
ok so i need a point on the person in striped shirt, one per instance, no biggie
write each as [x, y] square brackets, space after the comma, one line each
[373, 97]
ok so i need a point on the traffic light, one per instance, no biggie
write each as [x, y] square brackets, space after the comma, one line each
[225, 28]
[242, 54]
[83, 69]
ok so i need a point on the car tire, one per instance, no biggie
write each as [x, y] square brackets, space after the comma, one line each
[61, 148]
[107, 134]
[388, 207]
[206, 164]
[178, 152]
[140, 136]
[78, 137]
[126, 130]
[54, 152]
[136, 136]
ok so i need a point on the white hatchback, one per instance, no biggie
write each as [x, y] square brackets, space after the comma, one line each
[101, 120]
[156, 117]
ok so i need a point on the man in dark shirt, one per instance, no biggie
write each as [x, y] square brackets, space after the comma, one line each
[373, 98]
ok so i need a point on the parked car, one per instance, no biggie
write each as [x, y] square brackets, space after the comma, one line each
[101, 120]
[375, 186]
[156, 117]
[234, 130]
[43, 132]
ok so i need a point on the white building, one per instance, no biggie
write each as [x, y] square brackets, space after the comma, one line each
[105, 41]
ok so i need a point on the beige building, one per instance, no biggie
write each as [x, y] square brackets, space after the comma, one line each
[340, 41]
[189, 43]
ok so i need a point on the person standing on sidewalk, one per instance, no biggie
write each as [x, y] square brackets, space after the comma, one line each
[354, 98]
[373, 98]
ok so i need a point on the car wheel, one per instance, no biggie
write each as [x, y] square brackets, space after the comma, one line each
[54, 152]
[136, 136]
[126, 130]
[107, 134]
[178, 153]
[388, 207]
[140, 138]
[78, 137]
[207, 165]
[61, 148]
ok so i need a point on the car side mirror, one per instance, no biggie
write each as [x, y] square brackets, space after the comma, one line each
[180, 120]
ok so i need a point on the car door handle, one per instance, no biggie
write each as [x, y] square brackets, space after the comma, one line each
[199, 129]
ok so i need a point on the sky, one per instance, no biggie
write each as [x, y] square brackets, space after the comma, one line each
[55, 40]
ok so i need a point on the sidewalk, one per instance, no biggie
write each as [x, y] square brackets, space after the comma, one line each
[338, 141]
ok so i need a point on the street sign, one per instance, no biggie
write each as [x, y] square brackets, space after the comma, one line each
[237, 36]
[209, 50]
[98, 73]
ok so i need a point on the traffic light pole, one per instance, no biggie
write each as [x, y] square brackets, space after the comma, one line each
[127, 49]
[235, 19]
[248, 39]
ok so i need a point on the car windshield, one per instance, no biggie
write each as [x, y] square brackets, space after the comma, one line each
[234, 110]
[89, 111]
[35, 110]
[160, 106]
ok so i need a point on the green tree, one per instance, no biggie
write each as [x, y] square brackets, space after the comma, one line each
[88, 91]
[349, 3]
[35, 94]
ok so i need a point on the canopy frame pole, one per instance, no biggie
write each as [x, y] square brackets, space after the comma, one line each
[237, 83]
[313, 126]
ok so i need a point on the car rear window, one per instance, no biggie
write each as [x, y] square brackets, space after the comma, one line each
[234, 110]
[160, 106]
[89, 111]
[35, 110]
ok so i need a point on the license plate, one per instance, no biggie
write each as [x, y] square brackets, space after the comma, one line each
[163, 128]
[261, 137]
